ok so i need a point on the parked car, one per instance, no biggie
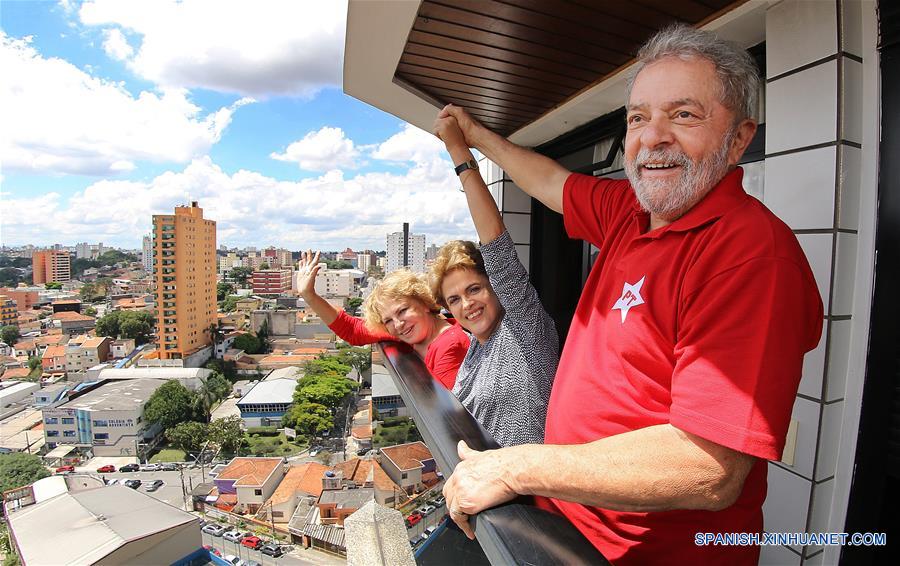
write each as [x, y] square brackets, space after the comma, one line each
[150, 468]
[429, 531]
[129, 468]
[234, 536]
[107, 469]
[114, 481]
[168, 467]
[253, 542]
[215, 529]
[413, 519]
[429, 509]
[133, 484]
[154, 485]
[232, 559]
[272, 549]
[65, 469]
[251, 563]
[439, 501]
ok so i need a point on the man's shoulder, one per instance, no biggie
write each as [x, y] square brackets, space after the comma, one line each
[755, 228]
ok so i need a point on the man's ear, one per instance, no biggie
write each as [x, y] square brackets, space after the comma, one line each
[743, 135]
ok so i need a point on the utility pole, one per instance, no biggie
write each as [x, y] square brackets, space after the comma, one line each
[272, 520]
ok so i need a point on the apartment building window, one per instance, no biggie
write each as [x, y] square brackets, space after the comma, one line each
[68, 420]
[51, 420]
[69, 433]
[257, 492]
[52, 433]
[101, 436]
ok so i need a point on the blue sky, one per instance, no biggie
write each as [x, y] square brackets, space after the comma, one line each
[119, 110]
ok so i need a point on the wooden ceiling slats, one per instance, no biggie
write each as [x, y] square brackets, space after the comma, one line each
[574, 15]
[485, 37]
[436, 54]
[465, 87]
[483, 73]
[545, 20]
[534, 33]
[526, 60]
[509, 62]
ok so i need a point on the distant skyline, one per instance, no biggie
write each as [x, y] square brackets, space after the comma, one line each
[115, 111]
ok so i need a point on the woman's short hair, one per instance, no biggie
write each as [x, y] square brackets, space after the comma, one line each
[399, 284]
[456, 254]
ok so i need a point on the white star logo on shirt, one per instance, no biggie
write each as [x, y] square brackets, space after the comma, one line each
[631, 297]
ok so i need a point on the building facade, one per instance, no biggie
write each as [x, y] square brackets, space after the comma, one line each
[271, 281]
[25, 299]
[9, 314]
[184, 271]
[405, 250]
[51, 266]
[147, 253]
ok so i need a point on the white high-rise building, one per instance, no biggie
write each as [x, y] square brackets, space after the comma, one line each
[405, 249]
[147, 253]
[83, 250]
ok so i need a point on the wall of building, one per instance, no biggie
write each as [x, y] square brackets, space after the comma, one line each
[167, 547]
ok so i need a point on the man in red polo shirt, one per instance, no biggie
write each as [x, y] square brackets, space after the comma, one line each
[682, 362]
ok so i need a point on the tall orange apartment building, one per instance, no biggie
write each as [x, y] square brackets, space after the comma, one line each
[184, 270]
[51, 266]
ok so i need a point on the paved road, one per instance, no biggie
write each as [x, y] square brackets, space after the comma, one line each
[299, 556]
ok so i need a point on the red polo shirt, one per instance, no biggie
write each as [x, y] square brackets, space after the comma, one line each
[702, 324]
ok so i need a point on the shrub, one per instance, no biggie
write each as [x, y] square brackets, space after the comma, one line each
[257, 431]
[254, 436]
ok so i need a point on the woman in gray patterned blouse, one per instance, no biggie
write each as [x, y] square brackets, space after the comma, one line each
[506, 376]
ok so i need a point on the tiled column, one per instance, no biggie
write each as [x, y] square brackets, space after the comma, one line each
[514, 205]
[812, 175]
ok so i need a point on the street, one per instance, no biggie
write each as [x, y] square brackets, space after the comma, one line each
[298, 555]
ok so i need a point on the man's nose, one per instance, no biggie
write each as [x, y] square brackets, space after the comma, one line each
[657, 132]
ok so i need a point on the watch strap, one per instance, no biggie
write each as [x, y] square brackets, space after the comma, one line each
[470, 164]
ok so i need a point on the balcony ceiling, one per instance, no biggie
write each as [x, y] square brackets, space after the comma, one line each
[510, 62]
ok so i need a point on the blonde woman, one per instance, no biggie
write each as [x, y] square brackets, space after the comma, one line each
[507, 374]
[400, 307]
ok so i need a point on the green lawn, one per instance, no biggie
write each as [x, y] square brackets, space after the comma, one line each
[169, 455]
[274, 445]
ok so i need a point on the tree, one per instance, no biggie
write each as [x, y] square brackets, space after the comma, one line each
[241, 274]
[169, 405]
[135, 325]
[327, 390]
[223, 290]
[18, 469]
[230, 303]
[189, 436]
[352, 305]
[88, 292]
[9, 334]
[218, 385]
[227, 369]
[357, 358]
[10, 277]
[90, 311]
[338, 264]
[264, 265]
[216, 334]
[108, 324]
[308, 419]
[263, 336]
[227, 433]
[326, 365]
[53, 285]
[248, 343]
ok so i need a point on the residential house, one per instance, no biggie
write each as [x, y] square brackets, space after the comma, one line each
[85, 352]
[9, 316]
[301, 482]
[411, 466]
[368, 473]
[26, 348]
[54, 359]
[73, 323]
[251, 481]
[15, 373]
[121, 348]
[66, 305]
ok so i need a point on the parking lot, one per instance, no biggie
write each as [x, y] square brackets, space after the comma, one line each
[171, 490]
[433, 519]
[298, 555]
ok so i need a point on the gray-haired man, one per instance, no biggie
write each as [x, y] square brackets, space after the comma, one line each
[682, 362]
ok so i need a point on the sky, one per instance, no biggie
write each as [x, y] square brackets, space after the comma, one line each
[115, 110]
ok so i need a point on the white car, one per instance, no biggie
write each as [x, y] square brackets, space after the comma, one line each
[150, 468]
[233, 536]
[113, 481]
[232, 559]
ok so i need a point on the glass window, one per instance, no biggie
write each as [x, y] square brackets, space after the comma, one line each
[51, 420]
[52, 433]
[101, 436]
[68, 433]
[257, 492]
[68, 420]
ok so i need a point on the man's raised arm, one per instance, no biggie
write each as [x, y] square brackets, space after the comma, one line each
[537, 175]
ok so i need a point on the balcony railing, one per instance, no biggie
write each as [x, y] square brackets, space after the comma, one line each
[513, 533]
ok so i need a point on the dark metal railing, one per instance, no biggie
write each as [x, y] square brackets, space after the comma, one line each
[513, 533]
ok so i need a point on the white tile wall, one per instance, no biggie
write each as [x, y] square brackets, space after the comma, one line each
[754, 180]
[778, 556]
[838, 359]
[851, 26]
[524, 253]
[515, 199]
[829, 439]
[519, 227]
[844, 274]
[817, 248]
[788, 42]
[814, 367]
[787, 503]
[850, 171]
[795, 118]
[800, 188]
[851, 118]
[806, 413]
[818, 519]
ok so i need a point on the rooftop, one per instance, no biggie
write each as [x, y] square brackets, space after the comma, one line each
[72, 316]
[347, 498]
[363, 471]
[382, 384]
[290, 372]
[306, 478]
[250, 471]
[117, 396]
[15, 373]
[155, 373]
[89, 525]
[408, 456]
[54, 351]
[276, 391]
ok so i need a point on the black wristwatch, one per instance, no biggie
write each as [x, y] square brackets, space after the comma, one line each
[470, 164]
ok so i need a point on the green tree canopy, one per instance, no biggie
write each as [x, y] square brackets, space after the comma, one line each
[327, 390]
[248, 343]
[308, 419]
[227, 433]
[357, 358]
[189, 436]
[223, 290]
[10, 277]
[53, 285]
[326, 365]
[126, 324]
[338, 264]
[229, 303]
[9, 334]
[169, 405]
[352, 305]
[18, 469]
[241, 274]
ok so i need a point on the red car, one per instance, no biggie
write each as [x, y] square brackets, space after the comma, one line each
[413, 518]
[252, 542]
[109, 468]
[65, 469]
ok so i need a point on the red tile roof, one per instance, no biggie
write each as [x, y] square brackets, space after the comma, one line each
[249, 471]
[408, 456]
[54, 352]
[15, 373]
[306, 478]
[69, 315]
[359, 470]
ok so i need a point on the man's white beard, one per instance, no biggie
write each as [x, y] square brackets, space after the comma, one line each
[668, 199]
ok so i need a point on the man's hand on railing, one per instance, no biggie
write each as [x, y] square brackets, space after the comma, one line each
[478, 483]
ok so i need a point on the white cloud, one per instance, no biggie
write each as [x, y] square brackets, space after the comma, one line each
[271, 47]
[326, 212]
[411, 144]
[58, 119]
[115, 45]
[323, 150]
